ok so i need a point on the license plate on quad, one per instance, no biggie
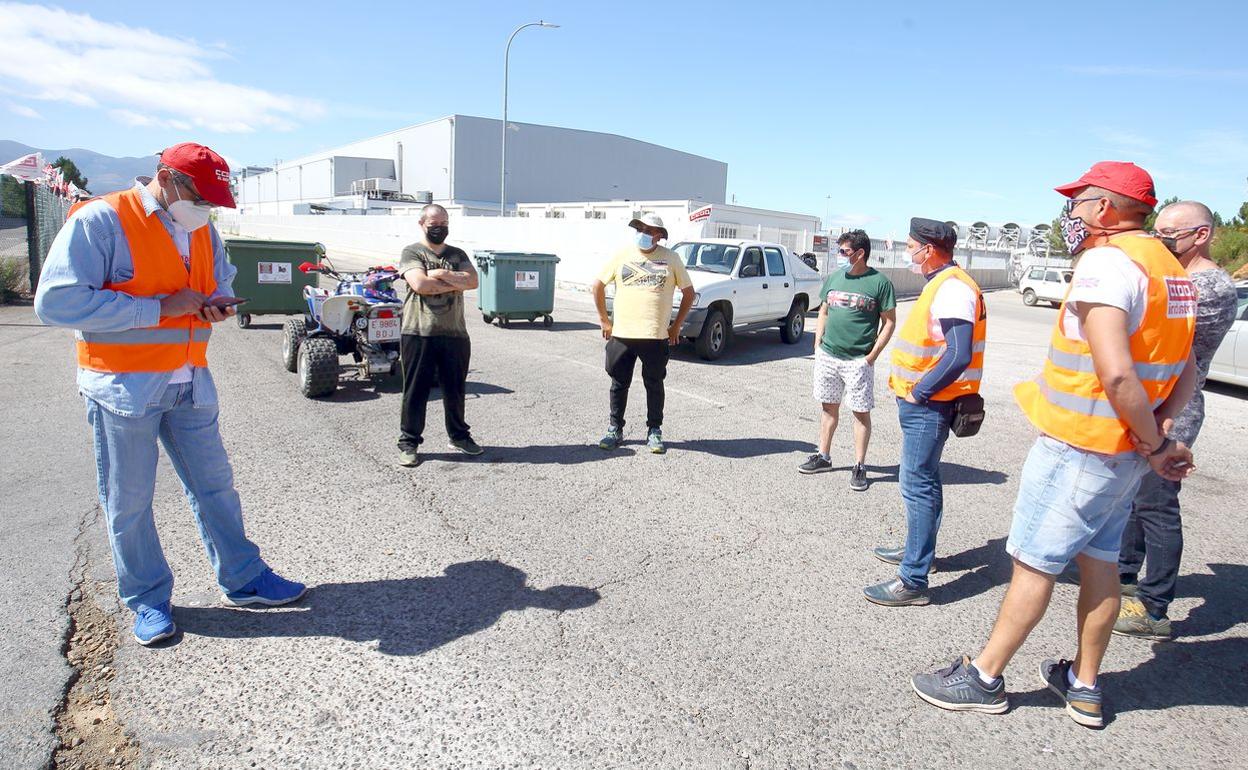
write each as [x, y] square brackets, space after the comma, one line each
[383, 330]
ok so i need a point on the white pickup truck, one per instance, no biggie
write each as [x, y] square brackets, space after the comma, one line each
[743, 285]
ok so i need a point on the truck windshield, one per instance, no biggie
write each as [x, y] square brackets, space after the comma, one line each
[711, 257]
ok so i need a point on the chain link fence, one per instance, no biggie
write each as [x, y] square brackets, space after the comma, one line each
[30, 217]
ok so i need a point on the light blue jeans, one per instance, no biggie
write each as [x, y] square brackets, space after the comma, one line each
[126, 456]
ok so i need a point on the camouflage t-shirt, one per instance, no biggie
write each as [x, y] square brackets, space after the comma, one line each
[1216, 304]
[433, 315]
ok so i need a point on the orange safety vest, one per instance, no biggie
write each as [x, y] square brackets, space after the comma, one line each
[915, 352]
[158, 272]
[1067, 400]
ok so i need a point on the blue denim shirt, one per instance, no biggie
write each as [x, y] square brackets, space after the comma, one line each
[90, 251]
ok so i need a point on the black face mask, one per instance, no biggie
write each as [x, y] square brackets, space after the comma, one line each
[437, 233]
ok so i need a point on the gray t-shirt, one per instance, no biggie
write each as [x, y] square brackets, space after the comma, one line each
[1216, 305]
[433, 315]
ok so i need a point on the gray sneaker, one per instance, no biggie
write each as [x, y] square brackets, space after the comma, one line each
[1083, 704]
[654, 441]
[858, 478]
[1129, 589]
[894, 593]
[1134, 620]
[612, 439]
[466, 445]
[409, 458]
[815, 464]
[959, 688]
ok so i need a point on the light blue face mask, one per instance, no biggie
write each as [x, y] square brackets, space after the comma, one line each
[645, 241]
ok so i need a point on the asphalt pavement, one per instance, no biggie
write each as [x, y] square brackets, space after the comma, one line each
[553, 605]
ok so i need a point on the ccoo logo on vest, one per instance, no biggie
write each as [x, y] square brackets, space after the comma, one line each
[1181, 296]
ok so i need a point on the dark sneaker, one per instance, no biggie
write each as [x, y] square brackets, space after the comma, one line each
[959, 688]
[409, 458]
[894, 593]
[612, 439]
[154, 624]
[654, 441]
[1134, 620]
[1083, 704]
[858, 478]
[890, 554]
[268, 589]
[466, 445]
[815, 464]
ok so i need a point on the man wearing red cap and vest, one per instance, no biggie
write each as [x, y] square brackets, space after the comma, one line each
[141, 276]
[1118, 369]
[938, 357]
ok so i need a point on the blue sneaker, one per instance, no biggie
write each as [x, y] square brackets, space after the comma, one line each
[154, 624]
[269, 589]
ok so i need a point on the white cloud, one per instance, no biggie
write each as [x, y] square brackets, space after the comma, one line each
[142, 77]
[24, 111]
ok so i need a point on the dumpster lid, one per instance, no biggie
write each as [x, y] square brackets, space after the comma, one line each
[489, 255]
[264, 243]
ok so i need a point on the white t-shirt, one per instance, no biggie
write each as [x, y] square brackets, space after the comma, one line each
[182, 239]
[1105, 275]
[954, 300]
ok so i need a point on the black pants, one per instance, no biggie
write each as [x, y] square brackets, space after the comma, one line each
[426, 359]
[622, 355]
[1154, 534]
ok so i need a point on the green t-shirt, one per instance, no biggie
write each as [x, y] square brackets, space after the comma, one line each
[433, 315]
[855, 303]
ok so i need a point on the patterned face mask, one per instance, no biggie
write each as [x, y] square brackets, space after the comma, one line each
[1074, 232]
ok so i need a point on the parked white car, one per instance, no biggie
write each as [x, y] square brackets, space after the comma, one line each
[743, 285]
[1045, 284]
[1230, 362]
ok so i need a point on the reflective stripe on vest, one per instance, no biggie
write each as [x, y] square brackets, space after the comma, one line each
[158, 272]
[915, 352]
[1067, 400]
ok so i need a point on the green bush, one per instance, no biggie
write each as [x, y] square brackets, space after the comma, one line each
[1230, 248]
[12, 280]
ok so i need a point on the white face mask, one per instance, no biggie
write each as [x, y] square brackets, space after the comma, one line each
[189, 216]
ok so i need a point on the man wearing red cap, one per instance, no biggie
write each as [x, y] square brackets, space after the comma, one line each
[141, 275]
[1118, 369]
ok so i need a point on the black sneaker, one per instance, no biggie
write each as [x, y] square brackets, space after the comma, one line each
[959, 688]
[895, 593]
[858, 478]
[466, 445]
[815, 464]
[1082, 703]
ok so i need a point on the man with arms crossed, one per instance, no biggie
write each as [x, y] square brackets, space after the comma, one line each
[1119, 367]
[857, 314]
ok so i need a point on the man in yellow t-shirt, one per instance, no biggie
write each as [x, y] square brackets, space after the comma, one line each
[645, 276]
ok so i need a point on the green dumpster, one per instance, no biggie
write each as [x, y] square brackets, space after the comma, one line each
[269, 275]
[516, 286]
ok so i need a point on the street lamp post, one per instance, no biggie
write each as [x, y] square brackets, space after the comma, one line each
[502, 192]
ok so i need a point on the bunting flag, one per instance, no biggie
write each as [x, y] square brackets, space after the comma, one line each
[29, 168]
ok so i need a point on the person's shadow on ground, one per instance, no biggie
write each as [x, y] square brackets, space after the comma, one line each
[983, 568]
[410, 616]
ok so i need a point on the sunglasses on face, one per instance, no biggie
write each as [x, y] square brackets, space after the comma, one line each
[846, 252]
[1073, 202]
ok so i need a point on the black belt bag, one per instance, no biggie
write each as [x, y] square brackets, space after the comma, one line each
[968, 415]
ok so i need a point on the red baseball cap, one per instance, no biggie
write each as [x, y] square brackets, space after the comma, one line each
[208, 170]
[1116, 176]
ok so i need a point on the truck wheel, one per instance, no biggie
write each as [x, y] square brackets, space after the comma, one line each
[293, 332]
[1029, 298]
[318, 367]
[713, 339]
[794, 324]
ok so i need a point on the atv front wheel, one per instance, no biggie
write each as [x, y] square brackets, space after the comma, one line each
[293, 332]
[318, 367]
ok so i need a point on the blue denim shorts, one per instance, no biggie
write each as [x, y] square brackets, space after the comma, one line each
[1070, 502]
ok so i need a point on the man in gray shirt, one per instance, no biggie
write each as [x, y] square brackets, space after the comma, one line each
[1155, 532]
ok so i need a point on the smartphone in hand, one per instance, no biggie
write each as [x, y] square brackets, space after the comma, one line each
[224, 302]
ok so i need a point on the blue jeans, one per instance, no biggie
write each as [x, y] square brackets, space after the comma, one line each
[126, 456]
[1154, 533]
[924, 430]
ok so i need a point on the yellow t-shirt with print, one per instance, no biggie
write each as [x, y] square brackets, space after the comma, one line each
[644, 287]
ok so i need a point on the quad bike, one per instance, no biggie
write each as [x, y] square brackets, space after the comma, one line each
[360, 317]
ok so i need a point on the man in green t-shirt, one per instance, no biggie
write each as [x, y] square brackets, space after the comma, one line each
[434, 345]
[857, 315]
[645, 276]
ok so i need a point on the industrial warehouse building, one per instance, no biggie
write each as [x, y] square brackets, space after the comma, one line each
[455, 161]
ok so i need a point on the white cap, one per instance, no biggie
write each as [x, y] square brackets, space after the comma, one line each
[649, 220]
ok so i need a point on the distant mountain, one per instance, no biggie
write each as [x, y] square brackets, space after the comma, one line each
[103, 172]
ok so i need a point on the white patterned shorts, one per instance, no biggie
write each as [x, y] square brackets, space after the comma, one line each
[851, 382]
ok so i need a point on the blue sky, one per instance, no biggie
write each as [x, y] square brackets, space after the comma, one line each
[951, 110]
